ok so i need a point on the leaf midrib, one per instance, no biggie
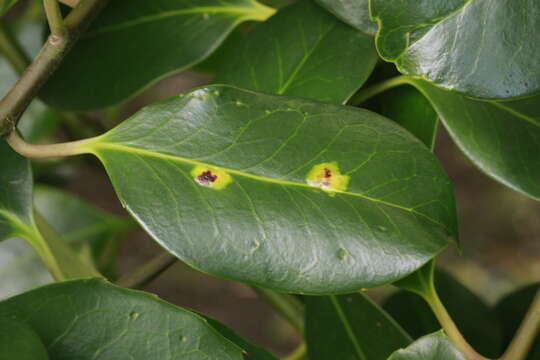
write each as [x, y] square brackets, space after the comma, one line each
[243, 13]
[101, 144]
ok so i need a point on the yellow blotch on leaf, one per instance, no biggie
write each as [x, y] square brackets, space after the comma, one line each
[328, 177]
[211, 177]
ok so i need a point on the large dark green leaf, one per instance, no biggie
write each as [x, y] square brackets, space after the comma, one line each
[473, 317]
[501, 138]
[432, 347]
[94, 319]
[286, 193]
[301, 51]
[19, 341]
[353, 12]
[512, 309]
[134, 43]
[350, 327]
[480, 48]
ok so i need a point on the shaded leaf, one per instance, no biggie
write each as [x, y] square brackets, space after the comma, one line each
[350, 327]
[511, 310]
[285, 193]
[409, 108]
[501, 138]
[251, 351]
[301, 51]
[5, 5]
[353, 12]
[475, 319]
[148, 38]
[19, 341]
[474, 47]
[431, 347]
[93, 318]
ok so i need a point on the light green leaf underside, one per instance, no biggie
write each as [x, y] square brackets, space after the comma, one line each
[352, 12]
[94, 319]
[350, 327]
[122, 42]
[267, 226]
[481, 48]
[501, 138]
[431, 347]
[301, 51]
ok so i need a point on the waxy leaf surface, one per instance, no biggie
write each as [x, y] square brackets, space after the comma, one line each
[350, 327]
[501, 138]
[482, 48]
[353, 12]
[474, 318]
[286, 193]
[431, 347]
[94, 319]
[301, 51]
[134, 43]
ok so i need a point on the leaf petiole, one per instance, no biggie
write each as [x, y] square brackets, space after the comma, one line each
[374, 90]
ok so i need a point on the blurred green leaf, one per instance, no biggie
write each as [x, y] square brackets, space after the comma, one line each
[122, 42]
[301, 51]
[350, 327]
[511, 310]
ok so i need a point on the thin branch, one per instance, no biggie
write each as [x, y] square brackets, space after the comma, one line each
[298, 354]
[451, 329]
[367, 93]
[13, 105]
[526, 334]
[287, 305]
[55, 18]
[148, 272]
[70, 3]
[11, 49]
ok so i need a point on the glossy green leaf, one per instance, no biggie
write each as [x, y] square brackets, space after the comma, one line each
[475, 319]
[432, 347]
[301, 51]
[409, 108]
[511, 310]
[134, 43]
[19, 341]
[353, 12]
[350, 327]
[251, 351]
[501, 138]
[17, 219]
[94, 319]
[5, 5]
[471, 46]
[231, 182]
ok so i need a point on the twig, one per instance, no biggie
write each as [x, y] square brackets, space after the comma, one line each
[13, 105]
[148, 272]
[55, 19]
[11, 49]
